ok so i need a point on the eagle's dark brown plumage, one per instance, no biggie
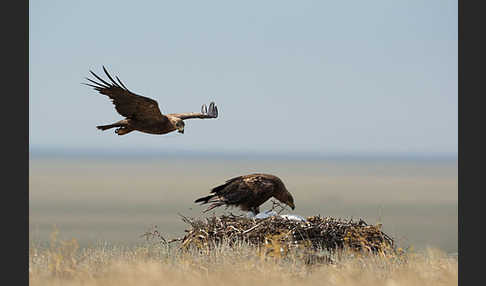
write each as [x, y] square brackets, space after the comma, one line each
[248, 192]
[143, 113]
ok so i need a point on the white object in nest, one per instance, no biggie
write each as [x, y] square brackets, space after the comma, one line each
[270, 213]
[293, 217]
[266, 214]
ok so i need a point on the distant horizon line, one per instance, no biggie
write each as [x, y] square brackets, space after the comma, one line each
[130, 153]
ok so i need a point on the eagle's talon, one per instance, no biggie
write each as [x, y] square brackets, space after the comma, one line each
[204, 109]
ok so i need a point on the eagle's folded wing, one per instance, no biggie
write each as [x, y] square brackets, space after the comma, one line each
[235, 196]
[205, 113]
[127, 103]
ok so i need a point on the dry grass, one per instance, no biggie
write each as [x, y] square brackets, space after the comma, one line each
[63, 263]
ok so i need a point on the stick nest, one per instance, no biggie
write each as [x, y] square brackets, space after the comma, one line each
[316, 233]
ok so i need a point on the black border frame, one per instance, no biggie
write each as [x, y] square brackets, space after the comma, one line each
[15, 143]
[16, 139]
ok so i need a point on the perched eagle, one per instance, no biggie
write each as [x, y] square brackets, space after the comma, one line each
[248, 192]
[143, 113]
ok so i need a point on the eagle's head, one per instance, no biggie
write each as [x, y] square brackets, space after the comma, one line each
[178, 124]
[290, 201]
[286, 198]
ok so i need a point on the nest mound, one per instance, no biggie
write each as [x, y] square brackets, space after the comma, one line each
[316, 232]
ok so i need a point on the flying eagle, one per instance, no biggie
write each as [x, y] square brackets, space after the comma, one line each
[248, 192]
[143, 113]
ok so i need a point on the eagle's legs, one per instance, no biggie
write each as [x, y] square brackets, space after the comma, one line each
[121, 123]
[123, 127]
[123, 130]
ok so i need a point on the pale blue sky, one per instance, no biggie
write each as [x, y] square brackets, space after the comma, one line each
[287, 76]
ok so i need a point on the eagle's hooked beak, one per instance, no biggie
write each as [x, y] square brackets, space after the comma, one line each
[292, 206]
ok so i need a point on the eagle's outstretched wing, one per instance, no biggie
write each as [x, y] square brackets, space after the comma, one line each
[127, 103]
[205, 113]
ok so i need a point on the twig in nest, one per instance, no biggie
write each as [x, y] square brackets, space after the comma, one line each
[175, 239]
[252, 228]
[185, 219]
